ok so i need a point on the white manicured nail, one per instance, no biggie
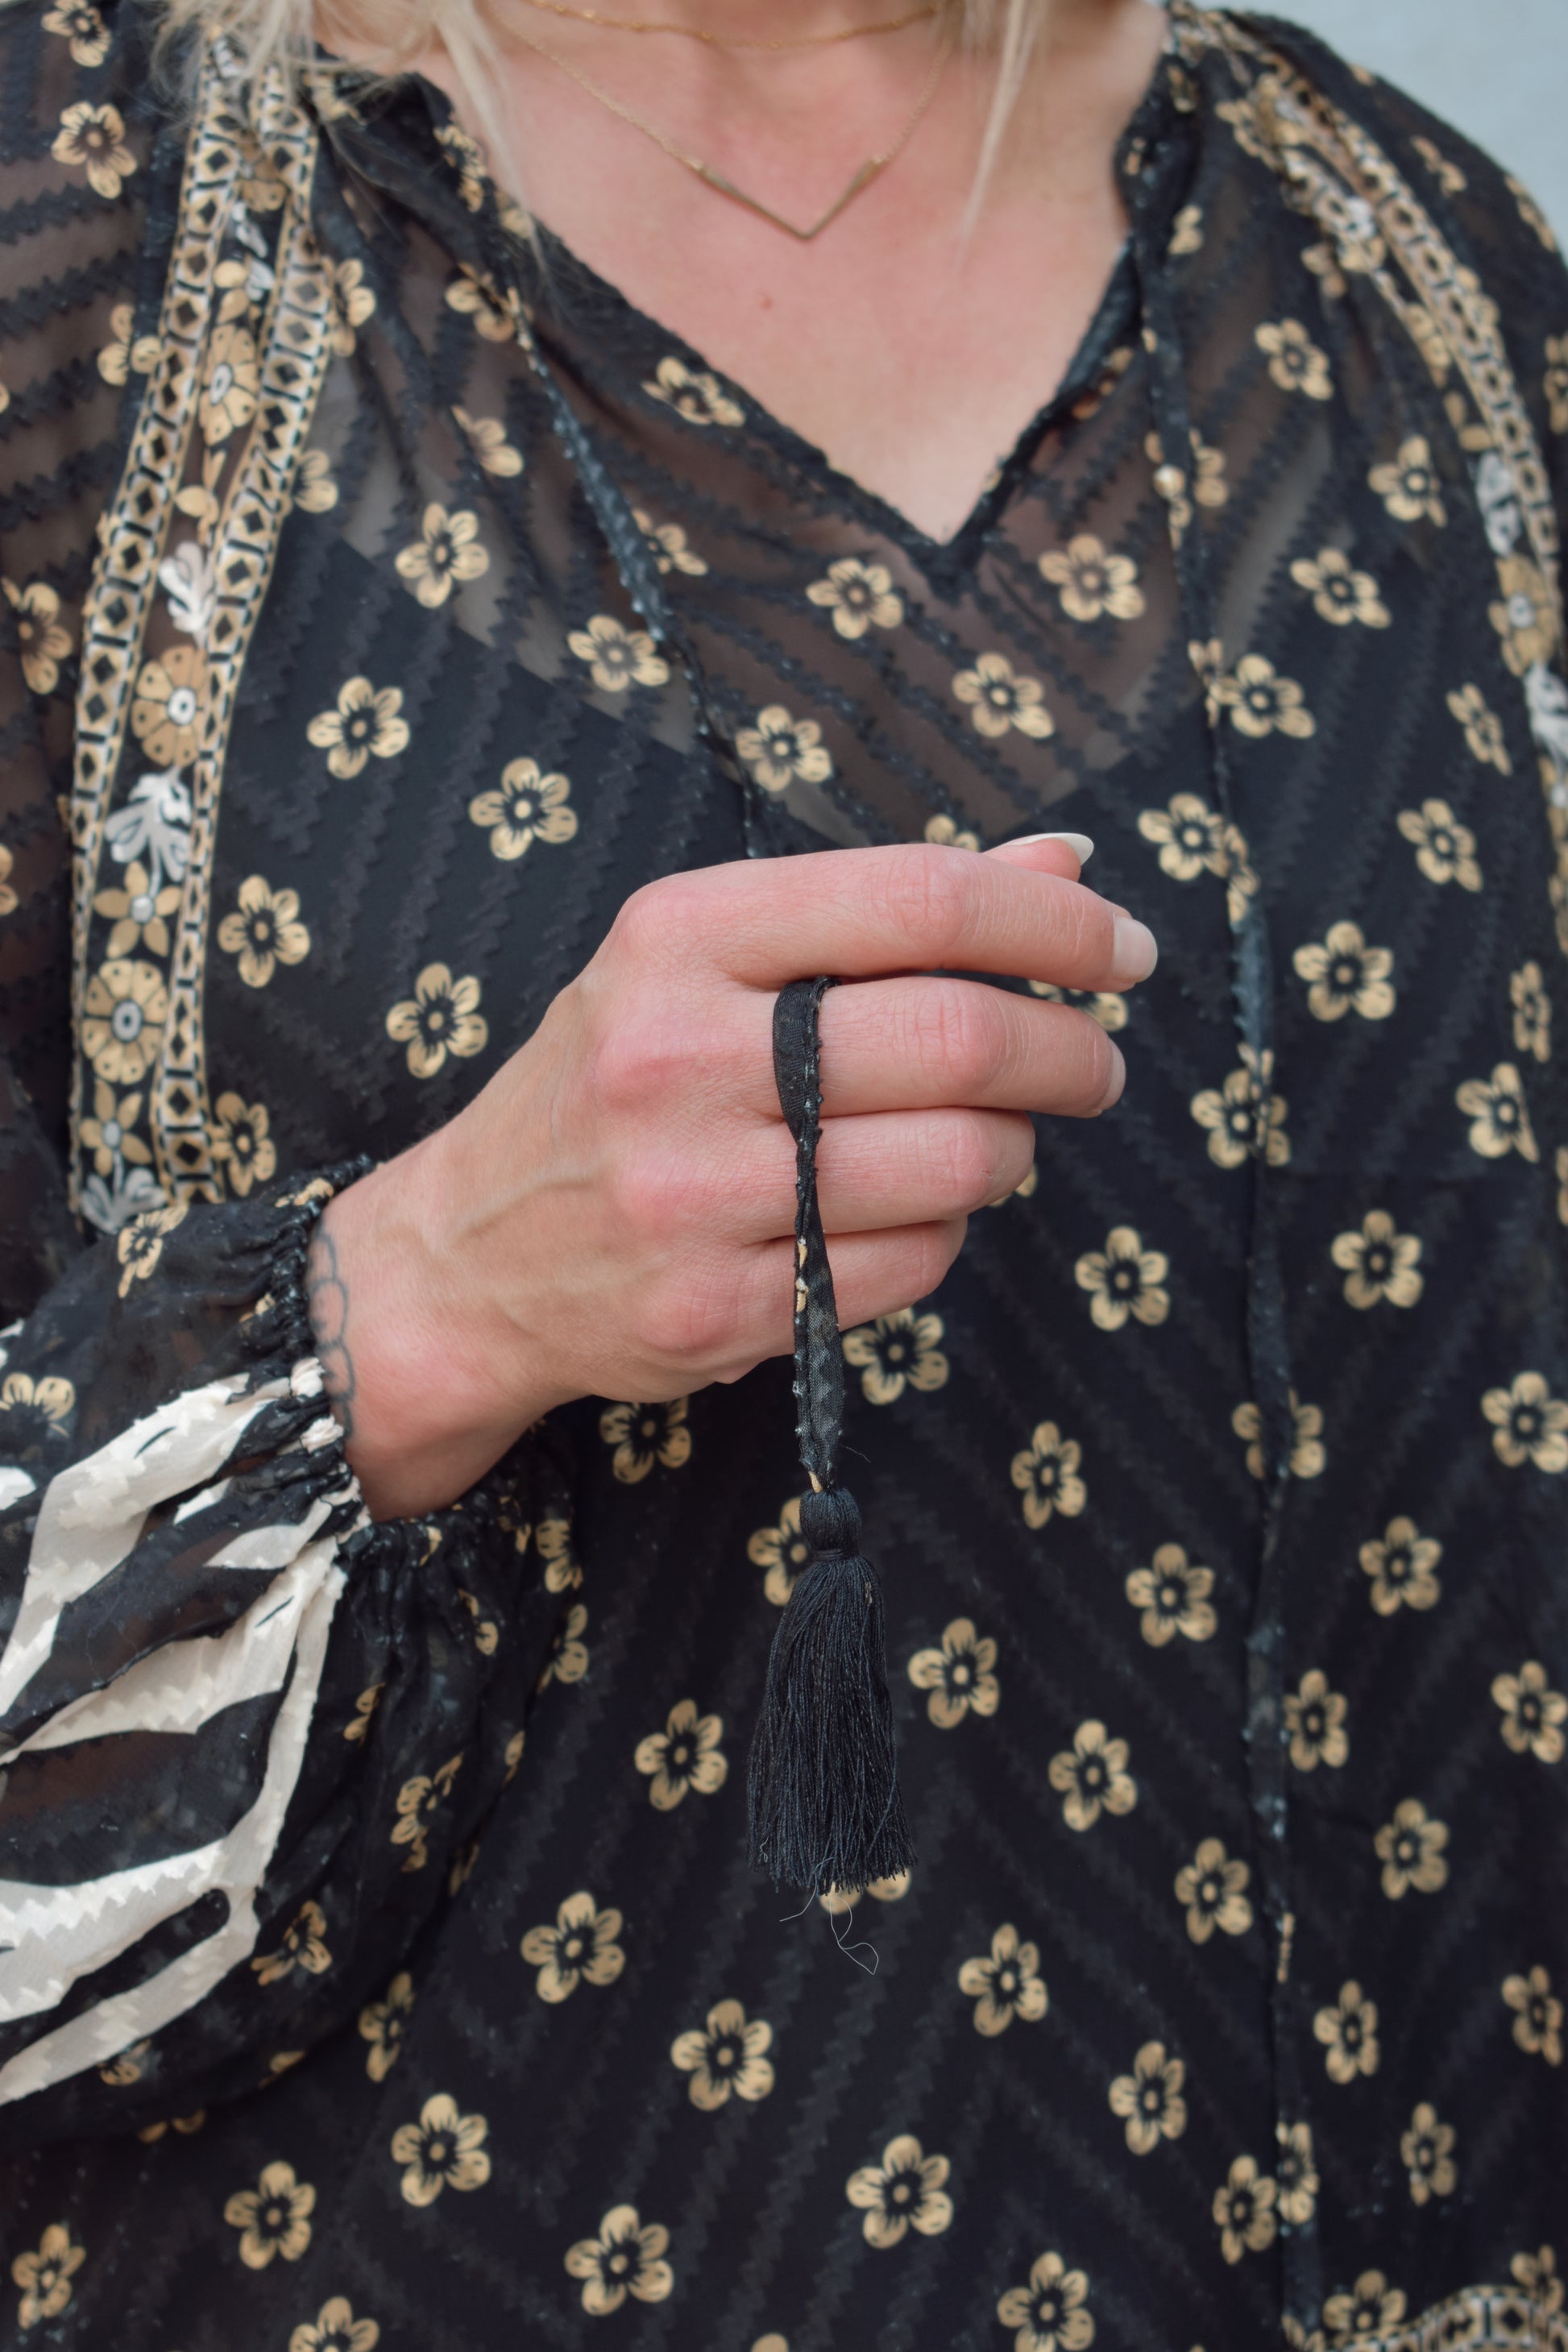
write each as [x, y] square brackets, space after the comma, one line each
[1079, 842]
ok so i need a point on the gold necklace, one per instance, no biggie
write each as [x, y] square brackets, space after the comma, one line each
[871, 169]
[732, 40]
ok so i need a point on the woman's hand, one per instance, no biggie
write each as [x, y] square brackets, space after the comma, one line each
[613, 1215]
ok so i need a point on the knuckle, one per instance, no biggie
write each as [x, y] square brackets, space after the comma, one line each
[922, 895]
[968, 1159]
[1093, 1065]
[964, 1040]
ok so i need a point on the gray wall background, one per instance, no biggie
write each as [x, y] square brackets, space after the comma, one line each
[1495, 69]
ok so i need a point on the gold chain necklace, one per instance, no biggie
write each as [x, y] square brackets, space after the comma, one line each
[736, 40]
[871, 169]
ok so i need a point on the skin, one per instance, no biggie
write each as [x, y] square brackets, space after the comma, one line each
[612, 1215]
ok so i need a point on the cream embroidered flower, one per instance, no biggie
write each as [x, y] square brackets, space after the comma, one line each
[1427, 2152]
[1091, 1777]
[1408, 484]
[1379, 1263]
[999, 700]
[1347, 2028]
[365, 725]
[1445, 849]
[618, 658]
[139, 913]
[273, 2217]
[1531, 1012]
[1346, 975]
[1238, 1126]
[1093, 583]
[45, 2276]
[1173, 1595]
[336, 2330]
[110, 1134]
[1538, 2015]
[1295, 363]
[1533, 1713]
[642, 1435]
[1498, 1117]
[1260, 702]
[1004, 1983]
[783, 1552]
[959, 1675]
[1529, 1424]
[1401, 1567]
[1483, 729]
[1212, 1890]
[241, 1143]
[1339, 593]
[445, 2149]
[42, 639]
[904, 2193]
[898, 1351]
[447, 552]
[1244, 2210]
[485, 437]
[580, 1948]
[123, 1013]
[441, 1017]
[1523, 617]
[698, 396]
[170, 704]
[140, 1244]
[94, 138]
[1308, 1454]
[860, 596]
[385, 2023]
[525, 807]
[625, 2258]
[1411, 1849]
[685, 1755]
[1047, 1475]
[1123, 1279]
[1315, 1723]
[724, 2056]
[1050, 2314]
[1149, 2100]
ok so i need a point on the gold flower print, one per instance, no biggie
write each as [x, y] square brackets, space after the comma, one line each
[698, 396]
[94, 138]
[959, 1675]
[445, 2149]
[1260, 702]
[1411, 1849]
[1345, 975]
[1235, 1118]
[1004, 1983]
[1308, 1454]
[898, 1351]
[526, 807]
[1340, 594]
[1445, 849]
[464, 154]
[230, 388]
[625, 2258]
[1427, 2151]
[89, 36]
[45, 2276]
[568, 1657]
[1051, 2314]
[151, 2134]
[1047, 1475]
[1368, 2308]
[1537, 2273]
[1315, 1723]
[304, 1946]
[860, 596]
[485, 437]
[1483, 729]
[1379, 1263]
[1538, 2015]
[1401, 1565]
[1533, 1713]
[1187, 231]
[273, 2217]
[947, 834]
[1173, 1595]
[109, 1135]
[242, 1144]
[1347, 2028]
[840, 1899]
[642, 1435]
[1092, 582]
[906, 2191]
[139, 915]
[1124, 1279]
[124, 355]
[783, 1552]
[1091, 1777]
[725, 2056]
[1244, 2210]
[1408, 484]
[264, 932]
[167, 711]
[417, 1800]
[1554, 382]
[998, 700]
[358, 1726]
[685, 1755]
[447, 552]
[42, 639]
[1295, 2179]
[1531, 1012]
[562, 1570]
[384, 2024]
[1295, 363]
[1207, 487]
[667, 545]
[1528, 1424]
[1523, 616]
[140, 1244]
[1212, 1890]
[364, 725]
[1149, 2100]
[779, 748]
[336, 2330]
[580, 1948]
[1499, 1121]
[352, 303]
[126, 2068]
[1102, 1004]
[1452, 182]
[442, 1016]
[619, 657]
[1189, 836]
[493, 316]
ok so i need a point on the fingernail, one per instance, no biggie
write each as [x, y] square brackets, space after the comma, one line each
[1133, 951]
[1079, 842]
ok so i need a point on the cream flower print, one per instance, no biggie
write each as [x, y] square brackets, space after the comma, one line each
[485, 437]
[1295, 2182]
[726, 2055]
[999, 700]
[1340, 594]
[897, 1352]
[94, 138]
[1533, 1713]
[1049, 2313]
[108, 1134]
[273, 2217]
[494, 317]
[1499, 1121]
[1189, 836]
[1537, 2273]
[417, 1800]
[781, 750]
[1208, 488]
[304, 1946]
[1091, 1777]
[698, 396]
[860, 596]
[783, 1552]
[667, 545]
[86, 31]
[1483, 728]
[358, 1726]
[1238, 1127]
[1523, 617]
[1529, 1424]
[1259, 701]
[1369, 2308]
[42, 640]
[1408, 484]
[946, 834]
[166, 714]
[231, 386]
[385, 2023]
[336, 2330]
[840, 1899]
[447, 552]
[125, 354]
[45, 2276]
[525, 807]
[1106, 1005]
[139, 915]
[619, 657]
[140, 1244]
[642, 1435]
[1212, 1890]
[264, 931]
[1047, 1475]
[580, 1948]
[1315, 1723]
[1347, 2028]
[1445, 849]
[904, 2193]
[1427, 2151]
[1093, 583]
[1295, 363]
[445, 2149]
[1531, 1012]
[1004, 1983]
[1149, 2099]
[1307, 1452]
[685, 1755]
[568, 1657]
[1379, 1263]
[365, 725]
[1411, 1850]
[123, 1012]
[563, 1569]
[441, 1017]
[242, 1144]
[959, 1675]
[1173, 1595]
[1187, 231]
[1401, 1564]
[1538, 2015]
[625, 2258]
[1123, 1279]
[1244, 2210]
[352, 303]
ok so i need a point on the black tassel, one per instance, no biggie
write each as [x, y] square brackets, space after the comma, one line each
[825, 1806]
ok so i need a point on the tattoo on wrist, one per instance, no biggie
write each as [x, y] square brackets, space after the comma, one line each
[328, 1296]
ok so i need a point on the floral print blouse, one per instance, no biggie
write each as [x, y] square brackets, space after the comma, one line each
[385, 599]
